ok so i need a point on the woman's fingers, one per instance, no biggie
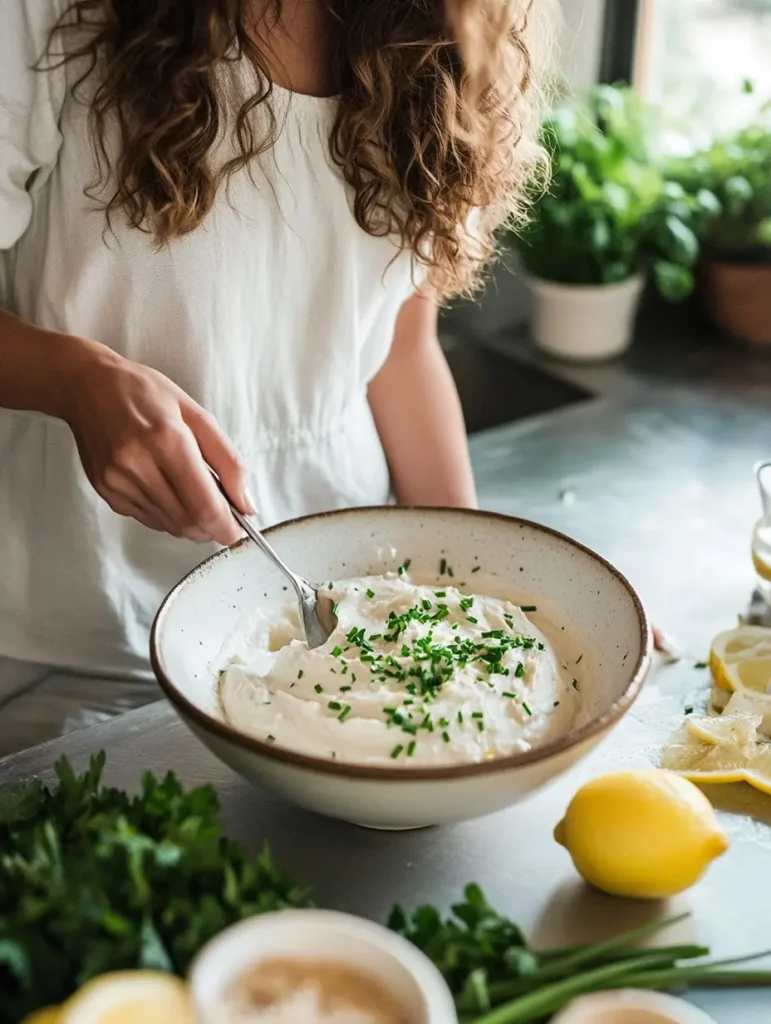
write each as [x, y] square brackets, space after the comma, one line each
[220, 454]
[184, 467]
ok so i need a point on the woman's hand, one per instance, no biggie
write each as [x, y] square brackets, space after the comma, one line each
[146, 447]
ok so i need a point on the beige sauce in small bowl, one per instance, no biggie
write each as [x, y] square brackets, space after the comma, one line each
[287, 991]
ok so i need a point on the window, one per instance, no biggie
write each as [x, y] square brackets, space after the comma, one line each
[694, 57]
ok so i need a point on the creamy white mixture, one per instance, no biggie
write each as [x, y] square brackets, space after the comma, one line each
[413, 675]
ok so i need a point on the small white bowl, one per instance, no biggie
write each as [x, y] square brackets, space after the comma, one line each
[204, 610]
[389, 960]
[631, 1006]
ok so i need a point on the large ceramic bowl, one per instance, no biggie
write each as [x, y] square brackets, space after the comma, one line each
[583, 590]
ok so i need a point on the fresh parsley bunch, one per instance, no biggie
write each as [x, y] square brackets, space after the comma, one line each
[497, 978]
[94, 880]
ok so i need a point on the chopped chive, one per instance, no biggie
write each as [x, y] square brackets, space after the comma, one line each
[575, 684]
[450, 573]
[529, 608]
[476, 568]
[519, 671]
[481, 726]
[270, 739]
[477, 714]
[446, 736]
[688, 711]
[527, 709]
[334, 705]
[370, 593]
[556, 703]
[411, 748]
[336, 652]
[460, 717]
[443, 567]
[425, 605]
[330, 586]
[353, 677]
[397, 750]
[580, 657]
[318, 688]
[335, 608]
[440, 593]
[508, 693]
[466, 603]
[344, 689]
[344, 713]
[300, 674]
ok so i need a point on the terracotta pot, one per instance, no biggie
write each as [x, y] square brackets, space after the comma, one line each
[737, 297]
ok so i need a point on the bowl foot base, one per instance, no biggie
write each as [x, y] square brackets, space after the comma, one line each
[392, 828]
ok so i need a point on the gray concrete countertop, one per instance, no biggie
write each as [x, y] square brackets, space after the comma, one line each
[656, 474]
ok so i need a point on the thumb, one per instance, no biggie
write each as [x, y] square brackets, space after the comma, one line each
[220, 455]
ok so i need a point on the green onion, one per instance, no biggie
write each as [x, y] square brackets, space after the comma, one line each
[411, 748]
[397, 750]
[508, 693]
[344, 713]
[334, 705]
[529, 608]
[336, 652]
[318, 688]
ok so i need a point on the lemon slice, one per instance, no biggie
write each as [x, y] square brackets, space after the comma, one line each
[740, 659]
[48, 1015]
[720, 750]
[738, 732]
[130, 997]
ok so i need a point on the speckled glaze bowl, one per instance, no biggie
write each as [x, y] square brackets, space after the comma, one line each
[589, 594]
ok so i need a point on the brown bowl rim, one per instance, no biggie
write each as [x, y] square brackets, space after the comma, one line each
[353, 770]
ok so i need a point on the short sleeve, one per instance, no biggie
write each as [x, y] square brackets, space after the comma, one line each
[31, 102]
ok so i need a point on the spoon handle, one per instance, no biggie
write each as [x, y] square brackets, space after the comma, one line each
[254, 534]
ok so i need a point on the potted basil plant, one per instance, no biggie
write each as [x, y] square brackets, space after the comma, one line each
[606, 219]
[737, 243]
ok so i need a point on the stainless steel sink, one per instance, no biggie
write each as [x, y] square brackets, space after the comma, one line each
[495, 389]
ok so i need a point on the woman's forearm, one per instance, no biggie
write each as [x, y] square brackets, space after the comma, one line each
[418, 415]
[35, 366]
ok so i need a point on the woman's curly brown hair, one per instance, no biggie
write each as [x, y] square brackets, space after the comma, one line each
[438, 114]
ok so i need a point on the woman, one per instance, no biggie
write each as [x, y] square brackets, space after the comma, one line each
[225, 228]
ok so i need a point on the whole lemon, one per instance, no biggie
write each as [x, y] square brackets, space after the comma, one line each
[646, 834]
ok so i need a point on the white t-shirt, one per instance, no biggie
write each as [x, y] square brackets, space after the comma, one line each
[274, 315]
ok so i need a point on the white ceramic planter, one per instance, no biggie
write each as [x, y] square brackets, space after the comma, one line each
[584, 322]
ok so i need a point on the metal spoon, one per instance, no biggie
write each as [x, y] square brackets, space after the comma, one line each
[319, 620]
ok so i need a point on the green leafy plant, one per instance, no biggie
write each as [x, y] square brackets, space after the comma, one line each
[736, 170]
[94, 880]
[496, 977]
[609, 212]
